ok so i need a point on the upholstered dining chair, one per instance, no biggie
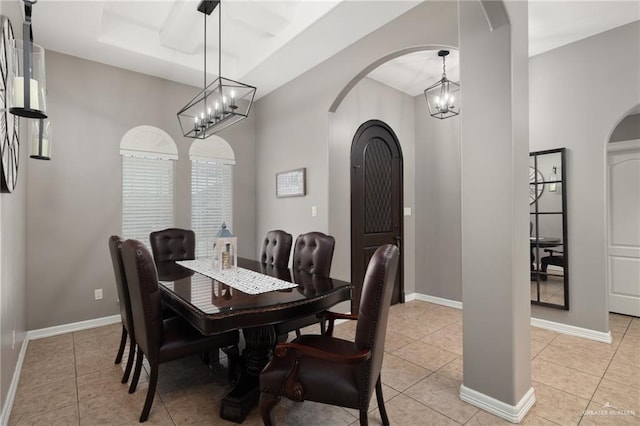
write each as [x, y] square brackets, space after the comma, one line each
[313, 254]
[276, 249]
[334, 371]
[555, 257]
[115, 248]
[171, 244]
[160, 340]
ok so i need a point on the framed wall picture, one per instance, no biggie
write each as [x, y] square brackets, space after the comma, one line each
[291, 183]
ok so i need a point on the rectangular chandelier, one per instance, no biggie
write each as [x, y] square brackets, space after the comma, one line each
[223, 102]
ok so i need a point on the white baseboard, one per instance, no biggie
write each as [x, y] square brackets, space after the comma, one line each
[572, 330]
[409, 297]
[74, 326]
[437, 300]
[511, 413]
[13, 388]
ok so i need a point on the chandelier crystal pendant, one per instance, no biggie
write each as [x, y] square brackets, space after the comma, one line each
[223, 102]
[443, 97]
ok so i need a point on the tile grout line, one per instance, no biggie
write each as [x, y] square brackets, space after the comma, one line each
[604, 373]
[75, 372]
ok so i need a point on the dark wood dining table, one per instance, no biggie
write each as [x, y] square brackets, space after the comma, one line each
[214, 307]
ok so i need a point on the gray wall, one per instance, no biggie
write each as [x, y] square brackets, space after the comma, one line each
[575, 77]
[13, 250]
[293, 127]
[74, 200]
[13, 273]
[369, 100]
[628, 129]
[581, 129]
[438, 205]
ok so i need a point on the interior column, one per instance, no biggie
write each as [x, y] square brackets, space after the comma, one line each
[495, 215]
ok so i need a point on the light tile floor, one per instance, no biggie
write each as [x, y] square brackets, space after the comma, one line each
[71, 379]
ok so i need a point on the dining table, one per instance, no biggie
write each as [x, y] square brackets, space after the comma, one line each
[213, 306]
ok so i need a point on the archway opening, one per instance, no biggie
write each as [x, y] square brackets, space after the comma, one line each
[391, 89]
[623, 210]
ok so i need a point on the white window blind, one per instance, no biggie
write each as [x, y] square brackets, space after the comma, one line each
[211, 202]
[147, 196]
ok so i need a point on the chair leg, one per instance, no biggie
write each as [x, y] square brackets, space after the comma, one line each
[151, 391]
[132, 355]
[543, 269]
[123, 342]
[267, 402]
[136, 372]
[297, 332]
[364, 420]
[381, 407]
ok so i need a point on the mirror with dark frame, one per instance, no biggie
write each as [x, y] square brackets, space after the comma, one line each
[548, 229]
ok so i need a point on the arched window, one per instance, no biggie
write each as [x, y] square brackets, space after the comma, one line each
[212, 163]
[148, 156]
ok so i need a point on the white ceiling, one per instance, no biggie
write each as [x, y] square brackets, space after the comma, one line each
[552, 24]
[266, 43]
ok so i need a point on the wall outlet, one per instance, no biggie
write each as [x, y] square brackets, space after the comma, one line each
[13, 340]
[98, 293]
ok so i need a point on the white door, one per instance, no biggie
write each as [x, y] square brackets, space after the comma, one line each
[624, 227]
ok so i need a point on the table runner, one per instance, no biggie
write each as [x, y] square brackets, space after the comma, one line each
[245, 280]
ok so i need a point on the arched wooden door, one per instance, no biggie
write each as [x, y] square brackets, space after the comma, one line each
[376, 201]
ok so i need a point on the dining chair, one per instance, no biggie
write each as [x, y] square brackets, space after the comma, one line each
[276, 249]
[313, 254]
[555, 257]
[115, 248]
[171, 244]
[334, 371]
[161, 340]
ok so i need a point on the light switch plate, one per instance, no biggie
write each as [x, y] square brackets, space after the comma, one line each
[407, 211]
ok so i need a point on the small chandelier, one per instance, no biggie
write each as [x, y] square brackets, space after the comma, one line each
[443, 95]
[220, 104]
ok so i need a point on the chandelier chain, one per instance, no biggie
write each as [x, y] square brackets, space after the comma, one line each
[205, 52]
[220, 39]
[444, 73]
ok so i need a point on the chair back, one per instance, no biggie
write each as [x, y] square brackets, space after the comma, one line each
[276, 249]
[173, 244]
[373, 312]
[146, 309]
[115, 248]
[313, 253]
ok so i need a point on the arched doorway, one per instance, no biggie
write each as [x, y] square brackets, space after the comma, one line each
[376, 201]
[623, 208]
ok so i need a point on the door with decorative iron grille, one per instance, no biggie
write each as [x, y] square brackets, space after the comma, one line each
[376, 201]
